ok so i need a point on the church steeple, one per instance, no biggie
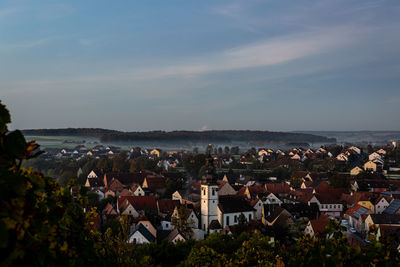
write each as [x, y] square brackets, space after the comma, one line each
[210, 176]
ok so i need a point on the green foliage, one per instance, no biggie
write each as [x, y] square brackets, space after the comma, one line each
[193, 164]
[40, 223]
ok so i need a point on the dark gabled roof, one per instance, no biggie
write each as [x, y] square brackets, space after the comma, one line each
[127, 178]
[173, 234]
[394, 206]
[167, 205]
[155, 182]
[271, 212]
[94, 182]
[319, 225]
[232, 204]
[146, 233]
[214, 225]
[386, 218]
[139, 202]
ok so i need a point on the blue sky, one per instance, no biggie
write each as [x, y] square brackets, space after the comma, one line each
[149, 65]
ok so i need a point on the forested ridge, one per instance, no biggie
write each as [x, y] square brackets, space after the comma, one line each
[176, 136]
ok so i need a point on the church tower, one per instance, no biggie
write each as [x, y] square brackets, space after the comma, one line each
[209, 195]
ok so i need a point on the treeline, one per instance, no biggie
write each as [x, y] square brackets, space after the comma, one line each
[183, 136]
[90, 132]
[214, 136]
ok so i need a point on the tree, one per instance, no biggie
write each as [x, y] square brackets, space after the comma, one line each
[193, 163]
[136, 165]
[102, 164]
[120, 161]
[182, 222]
[235, 150]
[226, 150]
[65, 177]
[40, 222]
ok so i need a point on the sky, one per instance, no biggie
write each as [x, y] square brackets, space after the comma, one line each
[273, 65]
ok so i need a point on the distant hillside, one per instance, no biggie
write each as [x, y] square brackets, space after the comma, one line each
[215, 136]
[90, 132]
[182, 136]
[358, 136]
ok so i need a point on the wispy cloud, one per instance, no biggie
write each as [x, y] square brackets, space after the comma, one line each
[26, 44]
[8, 11]
[268, 52]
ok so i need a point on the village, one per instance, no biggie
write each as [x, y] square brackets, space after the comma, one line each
[274, 192]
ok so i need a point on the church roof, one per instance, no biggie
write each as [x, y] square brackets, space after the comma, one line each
[233, 204]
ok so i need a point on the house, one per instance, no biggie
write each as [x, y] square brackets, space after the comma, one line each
[166, 224]
[139, 204]
[370, 166]
[354, 216]
[278, 189]
[176, 236]
[272, 199]
[382, 203]
[93, 181]
[365, 199]
[274, 215]
[167, 206]
[394, 207]
[302, 210]
[141, 236]
[178, 195]
[138, 190]
[342, 157]
[327, 204]
[155, 183]
[149, 226]
[374, 156]
[115, 185]
[155, 152]
[224, 188]
[187, 214]
[381, 219]
[316, 227]
[257, 205]
[356, 171]
[109, 211]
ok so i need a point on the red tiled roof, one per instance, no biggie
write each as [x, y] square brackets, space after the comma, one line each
[155, 182]
[319, 225]
[167, 205]
[109, 210]
[115, 185]
[277, 188]
[126, 192]
[350, 211]
[139, 202]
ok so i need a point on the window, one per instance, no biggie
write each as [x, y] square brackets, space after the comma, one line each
[227, 220]
[204, 226]
[213, 192]
[334, 206]
[379, 206]
[213, 201]
[249, 217]
[235, 219]
[204, 191]
[166, 225]
[259, 204]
